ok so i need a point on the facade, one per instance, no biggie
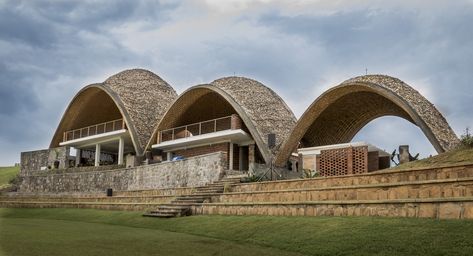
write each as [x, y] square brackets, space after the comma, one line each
[341, 112]
[135, 122]
[233, 115]
[107, 121]
[344, 159]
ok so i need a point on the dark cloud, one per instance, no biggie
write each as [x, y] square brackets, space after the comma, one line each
[50, 49]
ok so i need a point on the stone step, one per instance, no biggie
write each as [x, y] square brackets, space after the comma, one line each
[399, 190]
[160, 215]
[172, 206]
[152, 199]
[173, 212]
[443, 208]
[91, 205]
[186, 202]
[379, 177]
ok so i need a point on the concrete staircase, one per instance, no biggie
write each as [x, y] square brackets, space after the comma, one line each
[181, 205]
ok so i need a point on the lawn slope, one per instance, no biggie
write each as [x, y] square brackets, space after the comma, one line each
[452, 158]
[7, 174]
[305, 235]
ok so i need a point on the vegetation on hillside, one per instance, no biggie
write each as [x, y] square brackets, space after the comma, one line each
[467, 139]
[55, 231]
[460, 156]
[7, 175]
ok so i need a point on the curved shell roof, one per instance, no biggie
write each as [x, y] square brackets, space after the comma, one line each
[339, 113]
[141, 96]
[260, 108]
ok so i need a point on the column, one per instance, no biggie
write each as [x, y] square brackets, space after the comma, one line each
[97, 154]
[230, 161]
[121, 147]
[78, 155]
[251, 157]
[240, 158]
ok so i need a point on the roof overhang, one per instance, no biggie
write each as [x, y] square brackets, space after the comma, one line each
[236, 136]
[97, 139]
[317, 150]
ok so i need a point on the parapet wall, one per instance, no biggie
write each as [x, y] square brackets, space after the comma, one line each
[191, 172]
[35, 161]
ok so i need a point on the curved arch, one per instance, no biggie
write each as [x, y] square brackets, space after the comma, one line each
[140, 96]
[233, 95]
[98, 98]
[338, 114]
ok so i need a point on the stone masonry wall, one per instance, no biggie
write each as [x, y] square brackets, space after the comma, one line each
[191, 172]
[34, 161]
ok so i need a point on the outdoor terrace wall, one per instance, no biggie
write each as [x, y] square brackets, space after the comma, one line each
[191, 172]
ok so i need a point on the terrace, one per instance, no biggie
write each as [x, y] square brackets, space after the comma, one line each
[109, 137]
[93, 130]
[229, 129]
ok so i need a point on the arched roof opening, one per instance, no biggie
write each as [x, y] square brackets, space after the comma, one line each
[260, 109]
[138, 96]
[341, 112]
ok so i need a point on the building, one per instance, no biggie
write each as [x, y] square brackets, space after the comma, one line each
[338, 114]
[134, 132]
[344, 159]
[233, 115]
[107, 121]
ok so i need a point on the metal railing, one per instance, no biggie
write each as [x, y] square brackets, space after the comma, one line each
[95, 129]
[205, 127]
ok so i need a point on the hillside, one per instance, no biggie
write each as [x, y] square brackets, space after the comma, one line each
[6, 174]
[452, 158]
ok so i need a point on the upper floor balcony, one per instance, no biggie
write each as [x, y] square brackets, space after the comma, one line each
[229, 128]
[93, 133]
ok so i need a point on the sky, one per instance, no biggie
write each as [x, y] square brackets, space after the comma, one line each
[49, 49]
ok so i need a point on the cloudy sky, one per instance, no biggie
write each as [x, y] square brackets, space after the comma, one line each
[50, 49]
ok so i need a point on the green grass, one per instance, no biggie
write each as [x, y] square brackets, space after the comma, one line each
[454, 157]
[93, 232]
[6, 174]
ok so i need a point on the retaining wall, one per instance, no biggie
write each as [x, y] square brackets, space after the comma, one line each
[191, 172]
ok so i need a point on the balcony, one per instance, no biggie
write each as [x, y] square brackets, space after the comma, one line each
[97, 129]
[227, 128]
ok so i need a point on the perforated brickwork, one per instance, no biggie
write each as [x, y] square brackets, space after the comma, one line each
[360, 159]
[343, 161]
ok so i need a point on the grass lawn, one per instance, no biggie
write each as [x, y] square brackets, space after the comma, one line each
[94, 232]
[6, 174]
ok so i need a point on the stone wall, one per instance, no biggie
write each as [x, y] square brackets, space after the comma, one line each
[191, 172]
[35, 161]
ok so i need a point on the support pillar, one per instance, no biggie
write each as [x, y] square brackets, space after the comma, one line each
[97, 154]
[230, 157]
[78, 156]
[121, 147]
[251, 157]
[240, 159]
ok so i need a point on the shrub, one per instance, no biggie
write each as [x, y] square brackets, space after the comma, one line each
[467, 139]
[308, 174]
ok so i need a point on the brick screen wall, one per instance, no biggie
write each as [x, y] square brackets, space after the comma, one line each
[343, 161]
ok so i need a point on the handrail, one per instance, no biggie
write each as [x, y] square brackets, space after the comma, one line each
[199, 128]
[90, 130]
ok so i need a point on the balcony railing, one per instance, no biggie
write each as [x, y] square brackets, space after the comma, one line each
[95, 129]
[210, 126]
